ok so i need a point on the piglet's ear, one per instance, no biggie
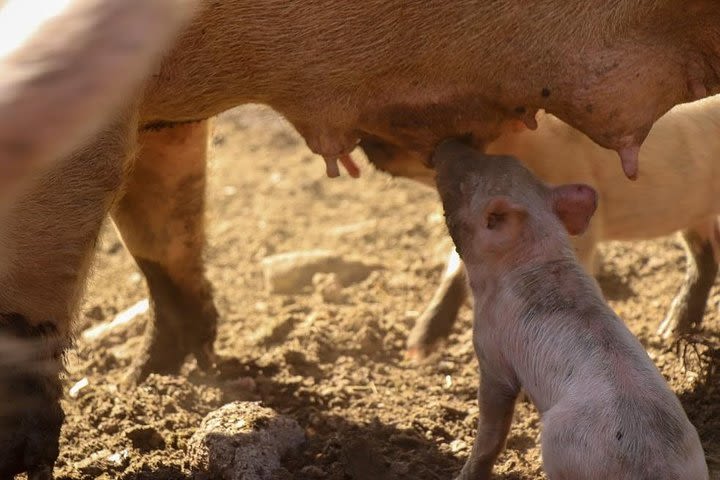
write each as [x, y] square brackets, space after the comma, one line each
[502, 221]
[574, 205]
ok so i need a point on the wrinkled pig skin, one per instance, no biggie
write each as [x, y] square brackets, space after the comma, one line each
[541, 325]
[681, 150]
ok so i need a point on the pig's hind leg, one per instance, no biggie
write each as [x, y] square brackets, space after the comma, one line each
[436, 322]
[161, 220]
[688, 308]
[573, 448]
[496, 400]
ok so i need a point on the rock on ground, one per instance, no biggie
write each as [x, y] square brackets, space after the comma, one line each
[290, 273]
[242, 441]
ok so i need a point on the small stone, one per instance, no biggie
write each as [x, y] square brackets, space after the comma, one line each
[458, 446]
[290, 273]
[75, 390]
[119, 459]
[122, 319]
[446, 367]
[329, 287]
[242, 441]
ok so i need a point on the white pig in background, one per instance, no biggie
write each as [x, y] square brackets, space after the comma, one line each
[678, 189]
[541, 325]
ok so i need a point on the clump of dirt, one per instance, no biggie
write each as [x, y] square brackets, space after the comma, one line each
[337, 367]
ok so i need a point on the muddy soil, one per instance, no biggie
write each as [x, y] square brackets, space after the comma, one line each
[338, 368]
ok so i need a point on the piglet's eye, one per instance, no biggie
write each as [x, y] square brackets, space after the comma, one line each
[494, 220]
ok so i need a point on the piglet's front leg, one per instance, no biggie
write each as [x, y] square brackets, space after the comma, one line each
[496, 399]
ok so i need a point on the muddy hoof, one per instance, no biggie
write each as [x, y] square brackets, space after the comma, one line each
[30, 391]
[31, 444]
[30, 420]
[183, 324]
[165, 354]
[434, 325]
[29, 440]
[429, 332]
[681, 319]
[420, 352]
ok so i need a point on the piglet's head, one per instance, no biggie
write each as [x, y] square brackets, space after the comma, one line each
[496, 208]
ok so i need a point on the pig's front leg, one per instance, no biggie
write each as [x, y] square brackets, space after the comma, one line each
[688, 308]
[437, 320]
[496, 399]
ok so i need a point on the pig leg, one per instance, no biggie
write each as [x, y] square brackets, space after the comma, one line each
[46, 246]
[688, 307]
[437, 320]
[496, 399]
[30, 414]
[161, 220]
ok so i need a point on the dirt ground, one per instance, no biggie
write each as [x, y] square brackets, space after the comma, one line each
[336, 368]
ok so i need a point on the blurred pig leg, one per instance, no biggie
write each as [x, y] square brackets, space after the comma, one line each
[30, 412]
[688, 308]
[436, 322]
[496, 401]
[161, 220]
[66, 69]
[47, 240]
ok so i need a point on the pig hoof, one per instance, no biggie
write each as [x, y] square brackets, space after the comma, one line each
[30, 439]
[30, 412]
[430, 331]
[184, 324]
[688, 348]
[169, 362]
[166, 355]
[680, 320]
[418, 353]
[45, 473]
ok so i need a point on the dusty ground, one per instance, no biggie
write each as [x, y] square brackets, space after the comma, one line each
[337, 368]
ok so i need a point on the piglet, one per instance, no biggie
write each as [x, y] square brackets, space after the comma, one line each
[541, 325]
